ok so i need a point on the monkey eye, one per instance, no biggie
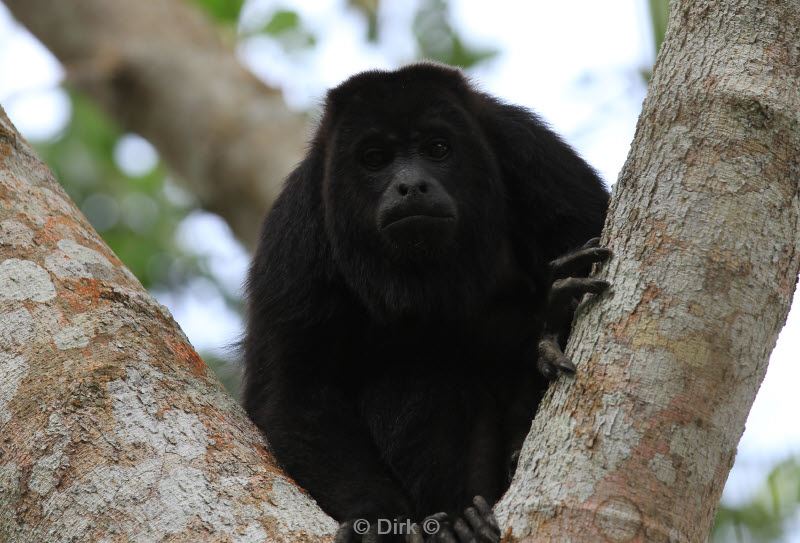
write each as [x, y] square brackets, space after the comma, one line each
[375, 157]
[436, 149]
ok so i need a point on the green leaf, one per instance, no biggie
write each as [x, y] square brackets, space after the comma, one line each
[224, 11]
[285, 27]
[282, 21]
[764, 517]
[369, 9]
[438, 40]
[659, 15]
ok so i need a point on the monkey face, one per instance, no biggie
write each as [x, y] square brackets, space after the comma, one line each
[415, 208]
[414, 212]
[412, 179]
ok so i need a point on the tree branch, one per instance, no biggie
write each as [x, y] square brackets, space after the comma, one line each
[704, 226]
[111, 426]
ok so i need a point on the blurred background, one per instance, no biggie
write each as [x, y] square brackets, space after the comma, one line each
[582, 65]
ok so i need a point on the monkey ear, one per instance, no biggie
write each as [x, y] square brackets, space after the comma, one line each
[556, 197]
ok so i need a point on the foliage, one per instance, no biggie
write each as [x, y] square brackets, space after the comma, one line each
[222, 11]
[134, 214]
[659, 15]
[282, 21]
[286, 27]
[369, 9]
[763, 518]
[439, 41]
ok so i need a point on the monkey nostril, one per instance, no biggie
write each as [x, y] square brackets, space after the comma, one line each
[423, 187]
[402, 188]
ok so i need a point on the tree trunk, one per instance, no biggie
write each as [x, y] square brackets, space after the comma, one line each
[704, 227]
[111, 427]
[158, 68]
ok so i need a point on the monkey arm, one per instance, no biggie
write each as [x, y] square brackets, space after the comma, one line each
[316, 435]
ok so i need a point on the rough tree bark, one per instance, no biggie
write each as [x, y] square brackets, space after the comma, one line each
[704, 226]
[159, 69]
[106, 426]
[111, 428]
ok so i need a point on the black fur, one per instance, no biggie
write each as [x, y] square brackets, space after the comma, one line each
[396, 376]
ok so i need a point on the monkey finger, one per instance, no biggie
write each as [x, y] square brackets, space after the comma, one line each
[578, 261]
[480, 527]
[564, 290]
[485, 509]
[551, 360]
[465, 535]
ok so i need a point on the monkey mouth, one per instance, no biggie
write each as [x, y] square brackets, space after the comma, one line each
[416, 220]
[419, 233]
[416, 214]
[418, 226]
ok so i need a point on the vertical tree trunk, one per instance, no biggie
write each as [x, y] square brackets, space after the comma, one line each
[111, 427]
[704, 225]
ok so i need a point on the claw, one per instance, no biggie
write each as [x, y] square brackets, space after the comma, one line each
[566, 365]
[594, 242]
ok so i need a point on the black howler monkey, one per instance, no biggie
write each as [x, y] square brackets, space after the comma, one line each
[410, 297]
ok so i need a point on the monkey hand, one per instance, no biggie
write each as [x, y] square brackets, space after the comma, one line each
[565, 294]
[475, 525]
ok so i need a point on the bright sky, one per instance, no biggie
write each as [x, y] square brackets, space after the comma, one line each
[576, 62]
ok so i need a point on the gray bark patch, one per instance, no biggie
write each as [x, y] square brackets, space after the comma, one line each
[25, 280]
[12, 370]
